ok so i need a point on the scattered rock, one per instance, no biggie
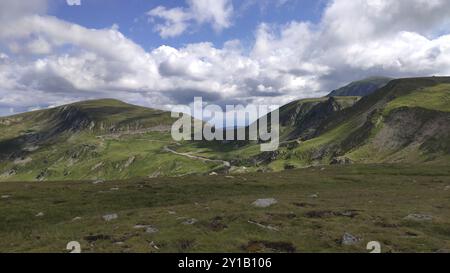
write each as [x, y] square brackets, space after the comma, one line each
[98, 182]
[314, 196]
[172, 212]
[6, 196]
[447, 188]
[148, 228]
[8, 173]
[31, 148]
[119, 243]
[348, 213]
[155, 174]
[41, 176]
[76, 219]
[110, 217]
[151, 230]
[129, 162]
[97, 166]
[23, 161]
[264, 203]
[213, 174]
[152, 244]
[419, 217]
[190, 221]
[341, 161]
[40, 214]
[348, 239]
[114, 189]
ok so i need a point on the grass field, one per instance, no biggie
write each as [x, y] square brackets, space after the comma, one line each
[316, 207]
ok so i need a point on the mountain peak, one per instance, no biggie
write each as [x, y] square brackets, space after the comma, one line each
[362, 87]
[104, 102]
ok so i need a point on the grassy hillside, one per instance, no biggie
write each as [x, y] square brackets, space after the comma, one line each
[406, 121]
[301, 119]
[102, 139]
[404, 207]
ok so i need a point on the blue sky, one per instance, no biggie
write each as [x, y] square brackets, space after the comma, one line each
[133, 22]
[162, 53]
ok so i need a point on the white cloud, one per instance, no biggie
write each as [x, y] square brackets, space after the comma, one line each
[368, 19]
[216, 12]
[39, 46]
[10, 10]
[286, 62]
[177, 20]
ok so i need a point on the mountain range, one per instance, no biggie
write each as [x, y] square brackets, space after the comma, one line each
[377, 120]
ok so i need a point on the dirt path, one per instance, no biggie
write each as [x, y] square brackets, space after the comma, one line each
[225, 163]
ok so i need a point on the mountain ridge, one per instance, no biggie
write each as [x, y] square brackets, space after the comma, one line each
[405, 121]
[361, 88]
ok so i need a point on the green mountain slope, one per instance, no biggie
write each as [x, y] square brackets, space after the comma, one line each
[101, 139]
[301, 119]
[361, 88]
[406, 121]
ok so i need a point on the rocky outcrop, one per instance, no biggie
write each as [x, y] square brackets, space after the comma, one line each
[427, 129]
[341, 161]
[69, 118]
[307, 124]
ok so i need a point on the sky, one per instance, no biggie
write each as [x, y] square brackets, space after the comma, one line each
[161, 53]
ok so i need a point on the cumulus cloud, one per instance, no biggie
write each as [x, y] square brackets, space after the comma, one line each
[285, 62]
[177, 20]
[10, 10]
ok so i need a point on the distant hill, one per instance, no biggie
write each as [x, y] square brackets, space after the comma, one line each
[361, 88]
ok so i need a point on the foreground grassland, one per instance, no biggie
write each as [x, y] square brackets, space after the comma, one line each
[316, 207]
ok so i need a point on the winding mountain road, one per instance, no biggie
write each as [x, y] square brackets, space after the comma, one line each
[226, 164]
